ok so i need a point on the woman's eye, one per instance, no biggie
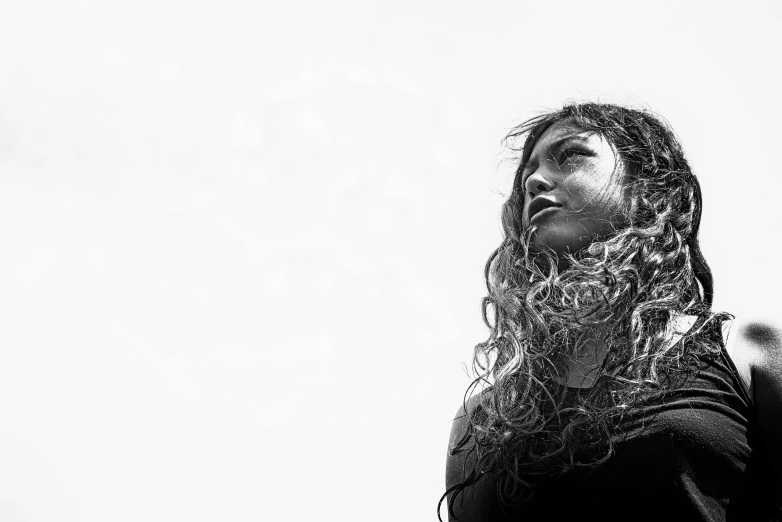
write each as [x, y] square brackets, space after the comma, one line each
[569, 154]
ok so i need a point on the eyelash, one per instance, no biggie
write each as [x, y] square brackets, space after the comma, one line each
[569, 153]
[565, 154]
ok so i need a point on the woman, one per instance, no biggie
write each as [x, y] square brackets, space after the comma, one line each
[609, 391]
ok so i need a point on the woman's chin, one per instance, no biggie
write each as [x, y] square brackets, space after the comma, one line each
[545, 248]
[544, 241]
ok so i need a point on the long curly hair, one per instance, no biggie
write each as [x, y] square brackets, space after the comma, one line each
[630, 287]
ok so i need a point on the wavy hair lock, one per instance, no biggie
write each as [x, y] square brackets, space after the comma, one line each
[630, 286]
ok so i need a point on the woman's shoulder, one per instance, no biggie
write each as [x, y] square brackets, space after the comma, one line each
[479, 505]
[461, 421]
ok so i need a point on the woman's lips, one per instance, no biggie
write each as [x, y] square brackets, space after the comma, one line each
[544, 212]
[541, 206]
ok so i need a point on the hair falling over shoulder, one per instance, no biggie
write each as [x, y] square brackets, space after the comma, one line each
[631, 286]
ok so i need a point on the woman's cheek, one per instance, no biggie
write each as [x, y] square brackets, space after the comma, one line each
[595, 192]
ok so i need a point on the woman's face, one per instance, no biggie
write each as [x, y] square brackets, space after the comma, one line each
[572, 189]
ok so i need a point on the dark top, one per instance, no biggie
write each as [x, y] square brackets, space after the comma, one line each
[686, 453]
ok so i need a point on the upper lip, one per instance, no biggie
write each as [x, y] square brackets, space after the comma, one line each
[541, 203]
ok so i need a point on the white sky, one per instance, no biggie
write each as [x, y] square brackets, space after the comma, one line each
[243, 245]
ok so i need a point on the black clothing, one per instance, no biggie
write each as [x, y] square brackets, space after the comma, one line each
[686, 453]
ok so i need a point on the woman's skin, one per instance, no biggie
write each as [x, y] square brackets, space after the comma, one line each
[575, 177]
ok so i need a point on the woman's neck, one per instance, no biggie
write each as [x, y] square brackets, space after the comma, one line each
[582, 368]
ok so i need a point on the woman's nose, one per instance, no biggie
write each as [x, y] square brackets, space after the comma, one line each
[538, 182]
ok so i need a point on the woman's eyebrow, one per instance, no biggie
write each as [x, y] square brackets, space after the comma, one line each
[533, 162]
[556, 145]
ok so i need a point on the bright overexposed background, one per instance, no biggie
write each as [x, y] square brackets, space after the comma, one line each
[243, 242]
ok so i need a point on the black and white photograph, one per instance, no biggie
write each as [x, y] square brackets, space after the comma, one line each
[508, 261]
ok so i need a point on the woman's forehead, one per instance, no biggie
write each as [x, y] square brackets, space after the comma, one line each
[565, 129]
